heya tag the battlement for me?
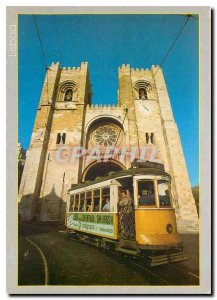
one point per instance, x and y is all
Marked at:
(56, 65)
(72, 69)
(100, 106)
(140, 70)
(125, 68)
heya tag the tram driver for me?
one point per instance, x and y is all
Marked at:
(147, 197)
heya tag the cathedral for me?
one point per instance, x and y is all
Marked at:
(69, 131)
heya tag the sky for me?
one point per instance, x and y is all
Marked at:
(106, 42)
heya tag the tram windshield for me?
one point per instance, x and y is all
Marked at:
(146, 193)
(164, 193)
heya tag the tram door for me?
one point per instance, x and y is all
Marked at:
(126, 216)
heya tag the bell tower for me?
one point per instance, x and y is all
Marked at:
(58, 126)
(151, 123)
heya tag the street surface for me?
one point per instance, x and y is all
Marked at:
(47, 256)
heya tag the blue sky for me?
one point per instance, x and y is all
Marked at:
(106, 42)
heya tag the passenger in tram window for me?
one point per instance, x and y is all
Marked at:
(96, 207)
(106, 207)
(82, 208)
(89, 208)
(163, 193)
(147, 198)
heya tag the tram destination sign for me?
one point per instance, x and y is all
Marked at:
(139, 163)
(100, 224)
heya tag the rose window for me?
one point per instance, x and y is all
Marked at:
(106, 135)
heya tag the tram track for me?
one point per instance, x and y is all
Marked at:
(152, 273)
(46, 269)
(170, 270)
(171, 274)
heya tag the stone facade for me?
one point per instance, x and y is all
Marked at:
(66, 119)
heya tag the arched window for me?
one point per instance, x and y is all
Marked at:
(67, 90)
(143, 94)
(68, 95)
(143, 88)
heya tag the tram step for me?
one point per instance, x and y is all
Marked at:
(178, 254)
(159, 260)
(127, 251)
(175, 257)
(155, 264)
(166, 258)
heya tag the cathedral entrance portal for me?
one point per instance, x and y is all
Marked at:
(101, 169)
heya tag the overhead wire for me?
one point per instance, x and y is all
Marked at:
(171, 47)
(154, 39)
(43, 53)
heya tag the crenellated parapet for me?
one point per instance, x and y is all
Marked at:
(125, 68)
(104, 106)
(82, 67)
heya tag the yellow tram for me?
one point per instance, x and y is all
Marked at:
(146, 227)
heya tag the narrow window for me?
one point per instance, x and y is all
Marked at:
(63, 138)
(58, 138)
(71, 204)
(106, 199)
(76, 202)
(143, 94)
(147, 137)
(152, 138)
(89, 201)
(82, 202)
(68, 95)
(96, 198)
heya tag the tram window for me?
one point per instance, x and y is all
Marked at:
(71, 203)
(164, 193)
(106, 192)
(82, 202)
(106, 204)
(89, 201)
(96, 193)
(76, 202)
(146, 193)
(106, 199)
(96, 200)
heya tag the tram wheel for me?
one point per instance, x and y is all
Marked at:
(103, 245)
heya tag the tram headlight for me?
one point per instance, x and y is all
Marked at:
(169, 228)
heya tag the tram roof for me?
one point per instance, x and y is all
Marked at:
(124, 173)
